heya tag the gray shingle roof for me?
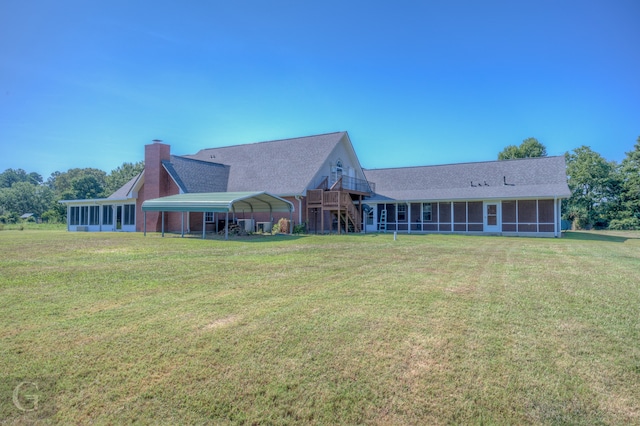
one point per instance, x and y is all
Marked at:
(197, 176)
(123, 192)
(531, 177)
(283, 167)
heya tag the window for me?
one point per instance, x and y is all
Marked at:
(94, 215)
(402, 212)
(208, 217)
(84, 213)
(74, 216)
(129, 214)
(369, 217)
(336, 171)
(426, 212)
(107, 215)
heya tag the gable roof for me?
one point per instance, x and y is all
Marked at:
(124, 191)
(193, 175)
(284, 167)
(522, 178)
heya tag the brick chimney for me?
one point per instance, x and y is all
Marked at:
(156, 179)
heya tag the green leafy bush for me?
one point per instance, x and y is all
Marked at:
(626, 224)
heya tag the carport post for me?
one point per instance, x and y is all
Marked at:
(290, 221)
(204, 224)
(144, 222)
(182, 225)
(162, 223)
(226, 226)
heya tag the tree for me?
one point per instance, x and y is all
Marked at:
(592, 183)
(68, 184)
(529, 148)
(24, 197)
(122, 175)
(11, 176)
(627, 215)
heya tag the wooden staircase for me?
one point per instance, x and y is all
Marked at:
(339, 203)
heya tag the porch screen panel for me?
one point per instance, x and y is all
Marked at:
(391, 215)
(475, 216)
(416, 218)
(129, 214)
(545, 215)
(84, 215)
(509, 223)
(429, 216)
(74, 216)
(460, 216)
(94, 215)
(444, 211)
(107, 215)
(403, 225)
(527, 216)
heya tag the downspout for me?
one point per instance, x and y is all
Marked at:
(299, 199)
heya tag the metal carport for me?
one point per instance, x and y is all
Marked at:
(216, 202)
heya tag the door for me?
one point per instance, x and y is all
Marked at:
(118, 218)
(370, 220)
(492, 217)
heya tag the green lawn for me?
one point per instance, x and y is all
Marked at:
(428, 329)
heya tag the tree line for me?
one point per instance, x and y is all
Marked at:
(22, 192)
(604, 194)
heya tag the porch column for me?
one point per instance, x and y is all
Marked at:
(162, 223)
(144, 223)
(204, 224)
(182, 225)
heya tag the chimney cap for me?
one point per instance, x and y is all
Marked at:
(157, 141)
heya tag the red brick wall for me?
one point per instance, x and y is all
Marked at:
(157, 183)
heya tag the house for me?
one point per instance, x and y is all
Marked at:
(511, 197)
(318, 180)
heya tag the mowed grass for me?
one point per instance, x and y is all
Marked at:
(428, 329)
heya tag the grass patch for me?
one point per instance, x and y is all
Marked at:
(428, 329)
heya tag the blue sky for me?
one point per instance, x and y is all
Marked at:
(87, 84)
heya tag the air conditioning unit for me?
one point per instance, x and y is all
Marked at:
(265, 227)
(247, 224)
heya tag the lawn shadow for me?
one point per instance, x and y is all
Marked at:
(600, 236)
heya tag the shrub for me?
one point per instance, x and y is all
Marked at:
(626, 224)
(284, 225)
(275, 229)
(300, 228)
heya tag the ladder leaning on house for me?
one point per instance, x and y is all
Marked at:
(383, 221)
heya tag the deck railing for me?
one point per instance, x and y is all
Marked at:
(346, 183)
